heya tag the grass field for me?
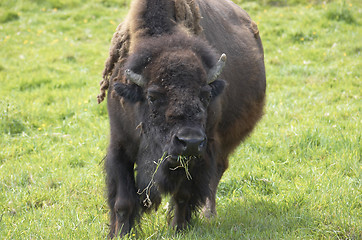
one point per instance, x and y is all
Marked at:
(297, 177)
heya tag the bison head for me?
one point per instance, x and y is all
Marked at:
(172, 86)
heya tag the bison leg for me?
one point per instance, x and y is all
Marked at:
(209, 210)
(122, 198)
(182, 210)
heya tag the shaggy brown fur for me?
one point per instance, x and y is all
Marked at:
(186, 13)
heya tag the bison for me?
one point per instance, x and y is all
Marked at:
(186, 84)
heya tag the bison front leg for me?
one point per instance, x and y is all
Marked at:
(122, 198)
(209, 210)
(182, 210)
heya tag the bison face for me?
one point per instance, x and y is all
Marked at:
(172, 96)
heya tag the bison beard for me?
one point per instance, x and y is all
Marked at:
(173, 122)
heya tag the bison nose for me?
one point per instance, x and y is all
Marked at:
(190, 141)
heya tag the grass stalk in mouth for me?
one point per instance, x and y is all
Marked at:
(184, 163)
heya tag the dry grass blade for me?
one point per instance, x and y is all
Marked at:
(184, 163)
(147, 202)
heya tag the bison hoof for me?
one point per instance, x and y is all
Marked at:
(122, 215)
(206, 213)
(179, 226)
(123, 225)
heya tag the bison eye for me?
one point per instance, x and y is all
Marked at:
(155, 95)
(151, 99)
(205, 95)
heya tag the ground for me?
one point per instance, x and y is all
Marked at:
(297, 176)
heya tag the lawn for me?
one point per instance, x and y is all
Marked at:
(297, 176)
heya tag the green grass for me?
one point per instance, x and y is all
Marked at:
(298, 175)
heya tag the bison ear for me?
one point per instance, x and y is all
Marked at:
(132, 93)
(217, 87)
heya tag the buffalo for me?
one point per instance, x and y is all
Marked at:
(186, 84)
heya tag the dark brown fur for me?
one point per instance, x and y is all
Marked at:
(150, 44)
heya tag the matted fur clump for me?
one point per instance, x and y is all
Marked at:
(186, 14)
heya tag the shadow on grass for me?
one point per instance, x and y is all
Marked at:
(261, 218)
(248, 218)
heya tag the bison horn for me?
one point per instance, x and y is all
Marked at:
(215, 71)
(134, 77)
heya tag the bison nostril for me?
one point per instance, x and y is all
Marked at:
(202, 144)
(181, 141)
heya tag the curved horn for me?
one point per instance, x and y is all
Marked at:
(134, 77)
(215, 71)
